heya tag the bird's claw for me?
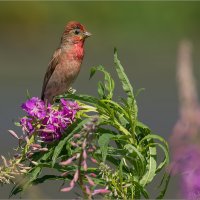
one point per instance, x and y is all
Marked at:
(71, 90)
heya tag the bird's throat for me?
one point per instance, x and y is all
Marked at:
(76, 51)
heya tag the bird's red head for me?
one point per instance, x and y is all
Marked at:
(75, 32)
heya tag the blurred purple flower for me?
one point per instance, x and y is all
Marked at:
(34, 107)
(185, 138)
(189, 166)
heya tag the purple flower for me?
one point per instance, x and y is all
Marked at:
(26, 124)
(69, 108)
(69, 104)
(35, 107)
(49, 121)
(50, 133)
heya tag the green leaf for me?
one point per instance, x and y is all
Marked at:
(26, 182)
(116, 107)
(80, 97)
(166, 155)
(166, 158)
(103, 144)
(101, 90)
(152, 163)
(134, 151)
(124, 80)
(151, 167)
(109, 83)
(74, 128)
(141, 190)
(17, 124)
(166, 178)
(132, 108)
(28, 96)
(121, 171)
(47, 177)
(141, 125)
(139, 91)
(154, 136)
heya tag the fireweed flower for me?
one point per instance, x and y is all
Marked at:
(34, 107)
(48, 121)
(26, 124)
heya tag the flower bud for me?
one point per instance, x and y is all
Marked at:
(84, 154)
(64, 174)
(67, 189)
(93, 160)
(13, 134)
(90, 181)
(68, 161)
(100, 191)
(84, 164)
(77, 135)
(93, 175)
(76, 176)
(87, 190)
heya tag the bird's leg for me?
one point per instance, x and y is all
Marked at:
(55, 100)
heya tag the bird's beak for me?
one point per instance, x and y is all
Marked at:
(87, 34)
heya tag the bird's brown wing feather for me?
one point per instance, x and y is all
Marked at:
(51, 67)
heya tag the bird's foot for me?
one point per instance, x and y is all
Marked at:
(71, 90)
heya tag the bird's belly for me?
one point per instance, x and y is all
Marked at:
(61, 80)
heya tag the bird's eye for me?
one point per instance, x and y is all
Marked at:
(77, 31)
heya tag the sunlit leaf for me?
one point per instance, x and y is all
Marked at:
(151, 167)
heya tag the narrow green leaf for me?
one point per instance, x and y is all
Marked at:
(101, 90)
(153, 136)
(165, 160)
(26, 182)
(46, 178)
(28, 96)
(80, 97)
(166, 178)
(141, 125)
(133, 150)
(103, 142)
(124, 80)
(141, 190)
(132, 108)
(151, 167)
(109, 83)
(121, 171)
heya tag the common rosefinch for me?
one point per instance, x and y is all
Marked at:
(66, 61)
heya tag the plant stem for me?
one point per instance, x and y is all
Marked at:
(86, 196)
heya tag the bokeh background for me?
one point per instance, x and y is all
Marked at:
(146, 34)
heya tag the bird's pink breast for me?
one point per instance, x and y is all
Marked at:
(76, 52)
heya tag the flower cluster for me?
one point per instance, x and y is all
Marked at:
(47, 121)
(10, 169)
(84, 141)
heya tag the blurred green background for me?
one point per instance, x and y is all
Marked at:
(146, 34)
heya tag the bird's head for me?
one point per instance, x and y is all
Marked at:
(75, 32)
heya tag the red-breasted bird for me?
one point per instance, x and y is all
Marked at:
(65, 64)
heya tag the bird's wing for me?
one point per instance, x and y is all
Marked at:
(51, 67)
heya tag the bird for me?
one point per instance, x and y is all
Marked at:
(65, 64)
